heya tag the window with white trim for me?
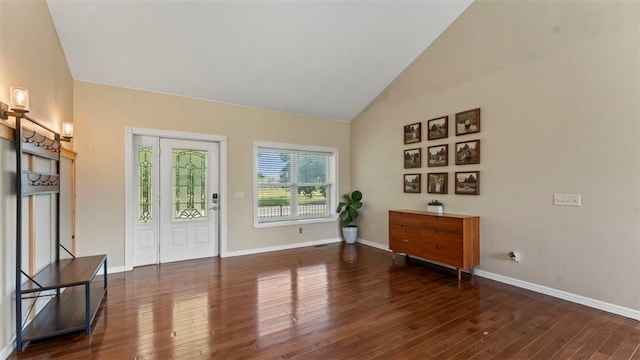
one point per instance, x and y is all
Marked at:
(294, 183)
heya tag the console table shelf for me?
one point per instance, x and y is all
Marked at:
(76, 306)
(65, 273)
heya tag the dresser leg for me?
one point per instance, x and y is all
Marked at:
(393, 257)
(471, 271)
(459, 274)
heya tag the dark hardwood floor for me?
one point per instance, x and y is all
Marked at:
(334, 302)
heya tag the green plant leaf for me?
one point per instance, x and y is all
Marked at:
(348, 209)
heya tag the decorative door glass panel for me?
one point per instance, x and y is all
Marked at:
(145, 167)
(189, 184)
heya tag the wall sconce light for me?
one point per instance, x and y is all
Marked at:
(66, 133)
(19, 98)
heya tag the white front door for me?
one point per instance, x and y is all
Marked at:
(188, 199)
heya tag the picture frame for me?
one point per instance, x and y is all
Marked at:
(438, 155)
(413, 158)
(412, 183)
(437, 183)
(467, 182)
(468, 122)
(438, 128)
(467, 152)
(413, 133)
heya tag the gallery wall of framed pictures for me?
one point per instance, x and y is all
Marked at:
(465, 152)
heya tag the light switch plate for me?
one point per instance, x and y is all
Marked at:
(567, 200)
(239, 195)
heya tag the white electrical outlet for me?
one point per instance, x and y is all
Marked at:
(567, 200)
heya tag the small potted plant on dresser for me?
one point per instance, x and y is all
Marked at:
(348, 211)
(435, 206)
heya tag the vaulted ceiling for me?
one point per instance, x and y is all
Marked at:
(327, 59)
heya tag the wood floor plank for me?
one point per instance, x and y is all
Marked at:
(333, 302)
(630, 345)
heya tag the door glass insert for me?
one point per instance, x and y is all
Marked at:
(189, 184)
(145, 166)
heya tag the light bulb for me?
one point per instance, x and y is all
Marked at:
(67, 130)
(19, 98)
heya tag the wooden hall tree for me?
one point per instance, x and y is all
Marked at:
(67, 283)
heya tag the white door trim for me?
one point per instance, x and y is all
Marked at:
(129, 184)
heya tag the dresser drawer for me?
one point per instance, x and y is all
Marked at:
(405, 231)
(442, 237)
(404, 218)
(443, 251)
(442, 223)
(406, 245)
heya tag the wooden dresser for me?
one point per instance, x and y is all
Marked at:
(444, 238)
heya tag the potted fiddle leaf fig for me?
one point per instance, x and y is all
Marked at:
(348, 211)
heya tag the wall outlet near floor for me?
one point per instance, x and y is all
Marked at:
(513, 255)
(567, 200)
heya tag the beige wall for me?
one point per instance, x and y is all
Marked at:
(30, 56)
(102, 113)
(558, 84)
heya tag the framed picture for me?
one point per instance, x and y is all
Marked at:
(412, 183)
(468, 152)
(468, 122)
(437, 183)
(412, 158)
(438, 128)
(468, 182)
(413, 133)
(438, 155)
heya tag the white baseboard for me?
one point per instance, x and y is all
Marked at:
(373, 244)
(4, 353)
(116, 269)
(282, 247)
(578, 299)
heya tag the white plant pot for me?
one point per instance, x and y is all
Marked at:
(438, 209)
(350, 234)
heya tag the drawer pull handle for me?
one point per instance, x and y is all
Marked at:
(405, 240)
(438, 247)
